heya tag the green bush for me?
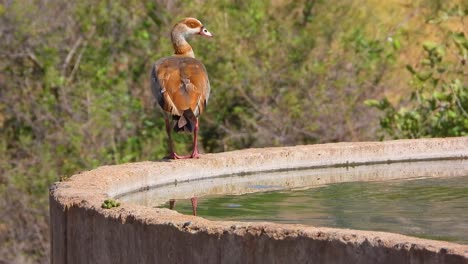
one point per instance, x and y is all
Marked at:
(438, 105)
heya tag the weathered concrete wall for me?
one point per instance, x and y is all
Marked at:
(82, 232)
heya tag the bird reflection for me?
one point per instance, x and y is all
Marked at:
(194, 201)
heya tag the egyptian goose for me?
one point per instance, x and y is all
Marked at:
(180, 84)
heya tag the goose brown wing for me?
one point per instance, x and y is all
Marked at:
(179, 84)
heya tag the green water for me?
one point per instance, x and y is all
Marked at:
(434, 208)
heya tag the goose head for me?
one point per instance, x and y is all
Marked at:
(190, 26)
(184, 29)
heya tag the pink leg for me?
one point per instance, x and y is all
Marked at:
(194, 205)
(195, 153)
(172, 154)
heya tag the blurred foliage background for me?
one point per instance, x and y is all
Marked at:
(74, 85)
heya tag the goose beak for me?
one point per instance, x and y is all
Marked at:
(205, 32)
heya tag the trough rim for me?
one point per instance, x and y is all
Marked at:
(87, 190)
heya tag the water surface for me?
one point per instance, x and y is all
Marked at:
(435, 208)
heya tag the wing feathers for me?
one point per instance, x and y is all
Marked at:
(179, 84)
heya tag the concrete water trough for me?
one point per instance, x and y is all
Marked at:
(83, 232)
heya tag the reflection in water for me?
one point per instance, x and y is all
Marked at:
(369, 197)
(431, 208)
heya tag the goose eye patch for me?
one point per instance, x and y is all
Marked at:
(192, 24)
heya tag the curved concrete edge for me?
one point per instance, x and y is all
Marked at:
(296, 180)
(82, 232)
